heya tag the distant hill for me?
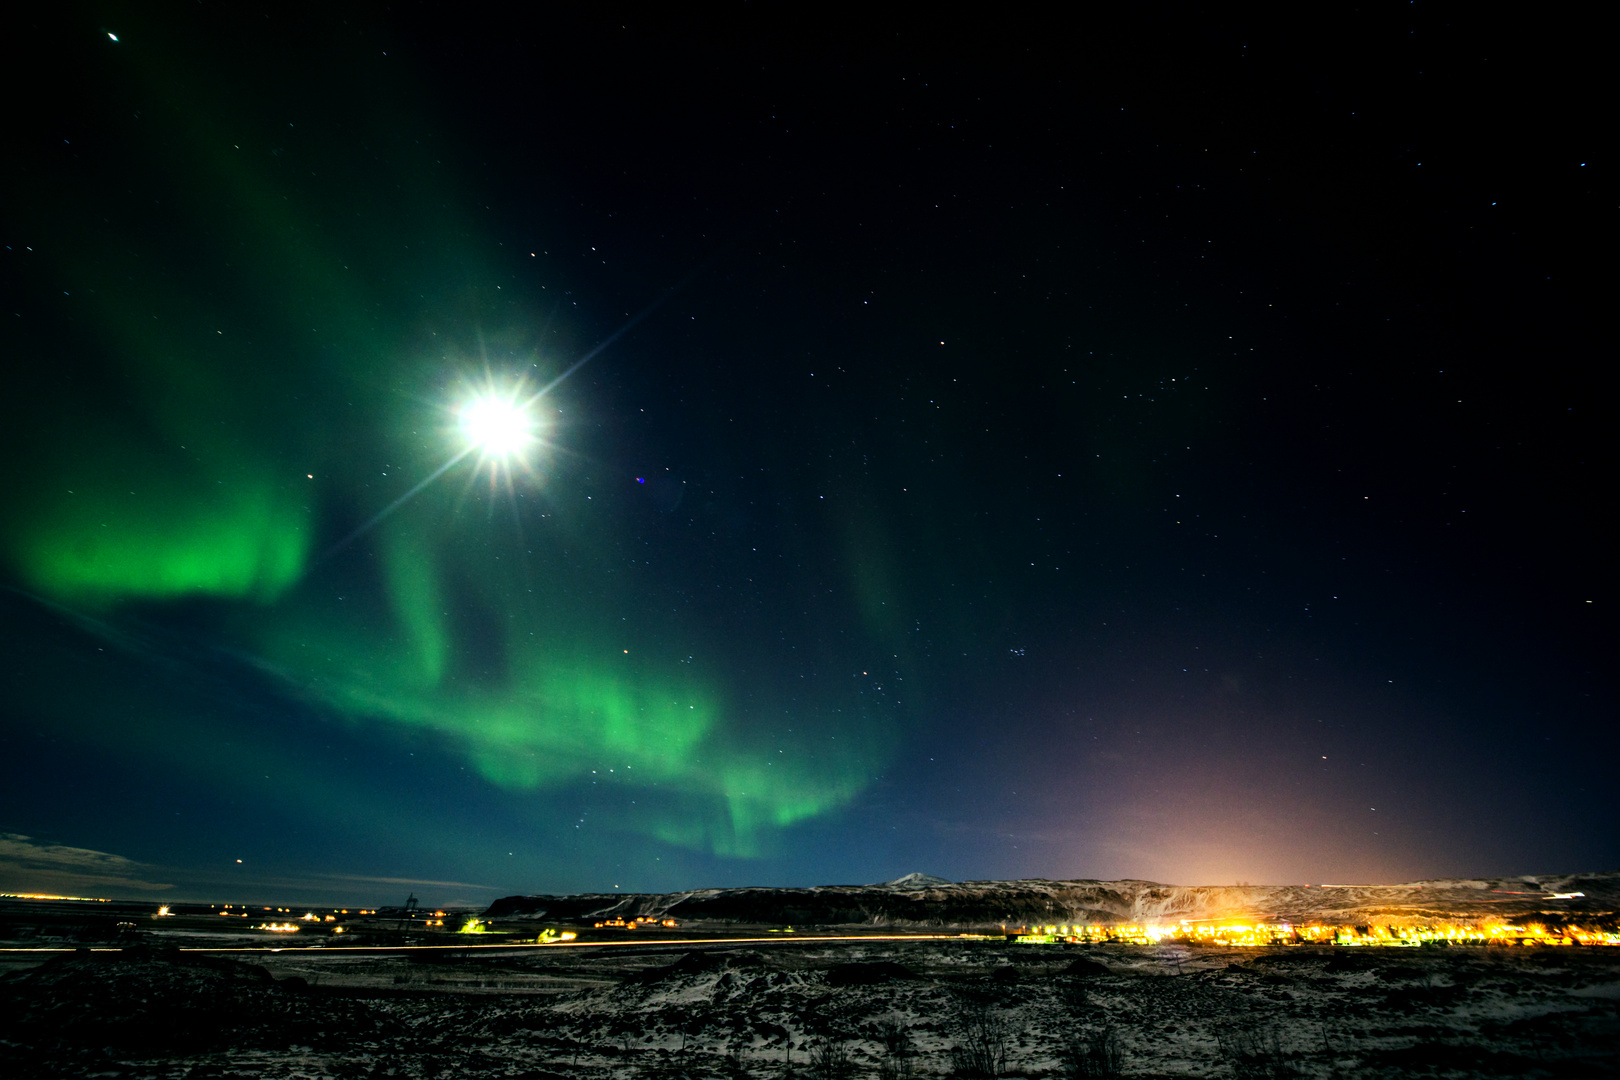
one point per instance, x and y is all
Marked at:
(918, 901)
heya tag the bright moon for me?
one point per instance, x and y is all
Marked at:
(500, 428)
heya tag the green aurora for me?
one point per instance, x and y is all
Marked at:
(286, 355)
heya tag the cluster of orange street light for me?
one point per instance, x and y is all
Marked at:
(1242, 934)
(640, 922)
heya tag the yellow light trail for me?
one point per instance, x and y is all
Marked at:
(530, 945)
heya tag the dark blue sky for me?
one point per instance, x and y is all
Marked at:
(1062, 450)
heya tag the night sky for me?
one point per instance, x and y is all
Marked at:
(1050, 449)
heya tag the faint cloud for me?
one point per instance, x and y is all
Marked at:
(33, 866)
(353, 890)
(408, 881)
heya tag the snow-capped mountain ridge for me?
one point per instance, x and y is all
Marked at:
(919, 901)
(912, 881)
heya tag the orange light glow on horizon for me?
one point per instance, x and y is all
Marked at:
(1249, 935)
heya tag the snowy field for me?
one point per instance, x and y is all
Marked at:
(878, 1010)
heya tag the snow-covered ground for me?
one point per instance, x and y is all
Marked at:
(879, 1009)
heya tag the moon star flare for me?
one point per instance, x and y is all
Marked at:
(500, 428)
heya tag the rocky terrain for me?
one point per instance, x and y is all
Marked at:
(706, 1003)
(937, 1009)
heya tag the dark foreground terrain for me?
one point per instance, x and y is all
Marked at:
(969, 1008)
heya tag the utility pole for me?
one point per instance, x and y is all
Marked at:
(408, 913)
